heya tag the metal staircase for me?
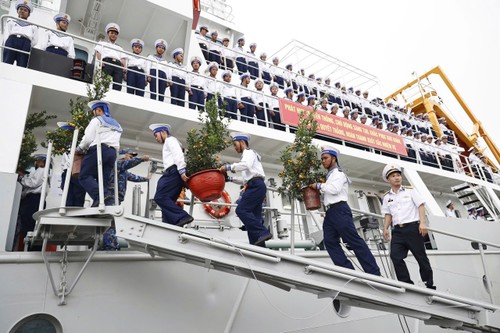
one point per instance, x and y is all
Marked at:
(475, 196)
(287, 272)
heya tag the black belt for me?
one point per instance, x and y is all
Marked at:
(102, 144)
(197, 87)
(251, 180)
(21, 36)
(177, 77)
(334, 204)
(107, 59)
(402, 225)
(136, 68)
(169, 169)
(54, 47)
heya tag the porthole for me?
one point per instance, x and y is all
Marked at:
(37, 323)
(342, 310)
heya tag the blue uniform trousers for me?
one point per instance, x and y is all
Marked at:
(197, 98)
(57, 50)
(248, 111)
(338, 223)
(178, 91)
(279, 81)
(409, 238)
(261, 114)
(219, 100)
(114, 69)
(136, 81)
(253, 68)
(231, 107)
(266, 77)
(88, 173)
(27, 207)
(241, 63)
(160, 82)
(214, 56)
(76, 193)
(20, 43)
(277, 120)
(167, 192)
(249, 209)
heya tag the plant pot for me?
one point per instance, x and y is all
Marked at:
(77, 165)
(312, 198)
(207, 185)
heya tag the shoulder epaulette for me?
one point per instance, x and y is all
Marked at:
(409, 187)
(386, 193)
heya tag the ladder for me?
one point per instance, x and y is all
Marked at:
(286, 271)
(475, 196)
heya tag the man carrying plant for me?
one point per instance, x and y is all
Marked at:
(249, 209)
(172, 181)
(338, 220)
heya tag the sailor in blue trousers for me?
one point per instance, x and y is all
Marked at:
(249, 208)
(110, 133)
(174, 176)
(20, 36)
(338, 220)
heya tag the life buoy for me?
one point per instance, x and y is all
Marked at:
(182, 196)
(219, 211)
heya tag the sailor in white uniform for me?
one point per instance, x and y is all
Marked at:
(19, 36)
(178, 78)
(212, 85)
(450, 209)
(157, 70)
(195, 85)
(136, 68)
(109, 55)
(241, 59)
(229, 93)
(250, 204)
(110, 132)
(57, 41)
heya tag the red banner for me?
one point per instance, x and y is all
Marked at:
(345, 129)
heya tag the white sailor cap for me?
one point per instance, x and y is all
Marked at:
(448, 203)
(423, 135)
(253, 45)
(289, 66)
(390, 169)
(215, 32)
(442, 119)
(160, 127)
(161, 42)
(213, 64)
(263, 54)
(444, 136)
(127, 151)
(177, 51)
(327, 79)
(240, 39)
(272, 85)
(288, 89)
(226, 73)
(364, 116)
(25, 4)
(301, 94)
(62, 17)
(195, 59)
(244, 76)
(225, 38)
(472, 209)
(40, 157)
(112, 27)
(240, 136)
(137, 42)
(99, 103)
(65, 125)
(329, 149)
(259, 80)
(311, 97)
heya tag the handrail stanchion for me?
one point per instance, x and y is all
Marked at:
(292, 228)
(62, 209)
(100, 180)
(117, 202)
(45, 177)
(486, 275)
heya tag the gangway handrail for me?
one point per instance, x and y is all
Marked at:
(463, 237)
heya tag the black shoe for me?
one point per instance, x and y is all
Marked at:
(95, 203)
(431, 287)
(262, 240)
(186, 220)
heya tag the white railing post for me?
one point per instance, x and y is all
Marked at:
(45, 177)
(62, 209)
(100, 180)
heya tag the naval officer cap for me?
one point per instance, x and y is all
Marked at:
(137, 42)
(65, 125)
(177, 51)
(448, 203)
(389, 170)
(112, 27)
(240, 136)
(99, 103)
(213, 64)
(160, 127)
(162, 43)
(62, 17)
(195, 59)
(203, 27)
(24, 4)
(329, 149)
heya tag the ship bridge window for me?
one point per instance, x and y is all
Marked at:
(39, 323)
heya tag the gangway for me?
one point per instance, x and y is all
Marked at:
(286, 271)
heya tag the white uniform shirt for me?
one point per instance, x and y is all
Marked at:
(214, 47)
(250, 167)
(273, 102)
(32, 183)
(277, 71)
(228, 90)
(450, 212)
(243, 92)
(177, 70)
(109, 50)
(172, 154)
(65, 161)
(403, 205)
(264, 66)
(141, 63)
(212, 85)
(335, 188)
(20, 27)
(195, 79)
(259, 97)
(239, 52)
(157, 63)
(58, 39)
(227, 52)
(108, 136)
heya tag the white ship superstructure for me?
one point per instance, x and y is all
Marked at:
(206, 277)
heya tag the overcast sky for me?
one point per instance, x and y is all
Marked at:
(392, 38)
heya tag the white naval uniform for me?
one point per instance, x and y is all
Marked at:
(109, 136)
(402, 205)
(58, 39)
(22, 28)
(249, 165)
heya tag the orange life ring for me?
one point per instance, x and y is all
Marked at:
(219, 211)
(182, 196)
